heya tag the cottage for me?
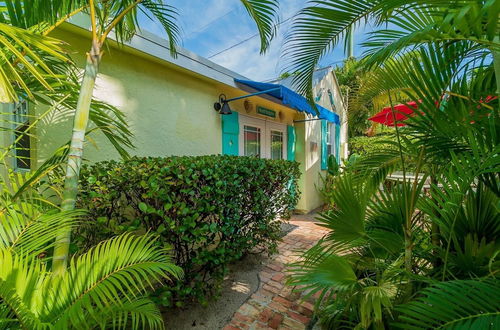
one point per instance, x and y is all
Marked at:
(169, 105)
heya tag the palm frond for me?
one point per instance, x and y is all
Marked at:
(316, 30)
(115, 271)
(136, 314)
(30, 232)
(454, 305)
(321, 270)
(167, 16)
(33, 13)
(22, 51)
(20, 282)
(264, 13)
(422, 22)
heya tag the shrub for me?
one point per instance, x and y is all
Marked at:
(210, 209)
(363, 145)
(327, 188)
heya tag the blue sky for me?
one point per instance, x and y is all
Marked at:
(210, 26)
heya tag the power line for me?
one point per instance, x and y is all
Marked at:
(251, 37)
(245, 40)
(204, 27)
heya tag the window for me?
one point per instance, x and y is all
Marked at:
(22, 145)
(331, 145)
(277, 145)
(262, 138)
(252, 141)
(330, 136)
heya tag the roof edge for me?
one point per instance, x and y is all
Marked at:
(153, 45)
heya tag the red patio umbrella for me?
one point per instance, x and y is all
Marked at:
(401, 112)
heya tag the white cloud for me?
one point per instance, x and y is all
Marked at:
(246, 59)
(210, 26)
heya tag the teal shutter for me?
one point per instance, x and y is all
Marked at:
(230, 134)
(324, 146)
(291, 143)
(337, 143)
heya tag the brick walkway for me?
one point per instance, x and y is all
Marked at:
(273, 305)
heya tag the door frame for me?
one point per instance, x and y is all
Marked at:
(266, 127)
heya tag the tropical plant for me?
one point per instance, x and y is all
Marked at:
(439, 308)
(350, 77)
(445, 55)
(119, 17)
(102, 287)
(321, 25)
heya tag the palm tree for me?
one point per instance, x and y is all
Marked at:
(121, 18)
(381, 250)
(102, 287)
(322, 25)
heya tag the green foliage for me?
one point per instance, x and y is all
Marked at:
(102, 287)
(333, 171)
(351, 77)
(426, 246)
(454, 305)
(333, 167)
(211, 209)
(363, 145)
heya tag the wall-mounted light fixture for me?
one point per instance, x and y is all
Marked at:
(222, 105)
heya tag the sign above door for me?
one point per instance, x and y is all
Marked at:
(266, 112)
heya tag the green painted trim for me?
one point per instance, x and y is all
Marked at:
(337, 143)
(324, 146)
(230, 134)
(292, 139)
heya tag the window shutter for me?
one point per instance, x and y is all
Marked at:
(337, 143)
(324, 146)
(291, 143)
(230, 134)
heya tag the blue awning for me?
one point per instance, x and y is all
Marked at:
(292, 99)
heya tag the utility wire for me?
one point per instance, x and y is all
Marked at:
(253, 36)
(245, 40)
(204, 27)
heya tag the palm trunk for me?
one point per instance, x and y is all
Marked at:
(61, 248)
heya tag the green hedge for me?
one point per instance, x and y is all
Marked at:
(210, 209)
(363, 145)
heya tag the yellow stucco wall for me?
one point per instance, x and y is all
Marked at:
(170, 112)
(308, 153)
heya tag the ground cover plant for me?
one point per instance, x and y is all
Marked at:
(210, 209)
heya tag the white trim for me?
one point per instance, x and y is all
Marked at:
(253, 122)
(266, 126)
